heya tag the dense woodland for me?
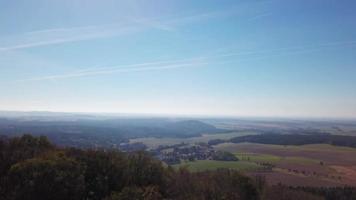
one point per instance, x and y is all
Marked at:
(88, 133)
(296, 139)
(33, 168)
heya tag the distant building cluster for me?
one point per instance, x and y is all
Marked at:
(132, 147)
(174, 154)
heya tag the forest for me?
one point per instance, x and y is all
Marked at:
(103, 132)
(296, 139)
(33, 168)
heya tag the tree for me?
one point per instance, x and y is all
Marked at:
(21, 148)
(53, 176)
(144, 171)
(104, 171)
(136, 193)
(128, 193)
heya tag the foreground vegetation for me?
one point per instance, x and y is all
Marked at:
(33, 168)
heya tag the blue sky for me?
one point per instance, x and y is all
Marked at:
(222, 58)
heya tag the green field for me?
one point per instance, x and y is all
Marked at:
(253, 157)
(204, 165)
(273, 159)
(153, 142)
(252, 147)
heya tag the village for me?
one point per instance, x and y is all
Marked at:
(175, 154)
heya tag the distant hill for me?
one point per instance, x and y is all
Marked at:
(103, 132)
(191, 127)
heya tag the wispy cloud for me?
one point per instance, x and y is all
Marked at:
(260, 16)
(150, 23)
(59, 36)
(215, 59)
(287, 50)
(72, 34)
(128, 26)
(152, 66)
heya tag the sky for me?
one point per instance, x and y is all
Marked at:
(274, 58)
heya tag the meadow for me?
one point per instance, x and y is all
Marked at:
(204, 165)
(273, 159)
(154, 142)
(313, 165)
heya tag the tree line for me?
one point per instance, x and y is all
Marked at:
(297, 139)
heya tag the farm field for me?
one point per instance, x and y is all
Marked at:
(329, 154)
(272, 159)
(334, 127)
(153, 142)
(315, 165)
(203, 165)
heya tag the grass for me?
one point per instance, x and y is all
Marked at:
(153, 142)
(252, 157)
(208, 165)
(235, 148)
(300, 160)
(273, 159)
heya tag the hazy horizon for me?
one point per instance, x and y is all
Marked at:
(203, 58)
(30, 113)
